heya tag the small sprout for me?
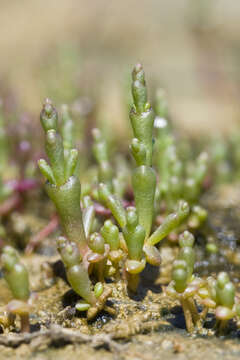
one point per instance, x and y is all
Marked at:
(220, 295)
(77, 274)
(16, 276)
(79, 280)
(184, 286)
(15, 273)
(134, 235)
(98, 255)
(110, 234)
(225, 300)
(186, 241)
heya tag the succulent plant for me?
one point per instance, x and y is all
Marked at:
(93, 298)
(16, 275)
(184, 284)
(62, 186)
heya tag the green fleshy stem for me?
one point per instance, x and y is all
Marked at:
(171, 222)
(46, 170)
(187, 253)
(139, 89)
(70, 163)
(134, 235)
(78, 278)
(141, 115)
(110, 233)
(142, 125)
(15, 274)
(112, 203)
(55, 153)
(144, 187)
(88, 219)
(49, 116)
(139, 152)
(67, 201)
(76, 272)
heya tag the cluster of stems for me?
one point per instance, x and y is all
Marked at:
(62, 186)
(217, 295)
(184, 284)
(123, 245)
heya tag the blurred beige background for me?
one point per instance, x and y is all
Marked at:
(189, 47)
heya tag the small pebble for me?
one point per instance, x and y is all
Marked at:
(167, 344)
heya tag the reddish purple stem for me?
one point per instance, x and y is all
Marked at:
(46, 231)
(22, 185)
